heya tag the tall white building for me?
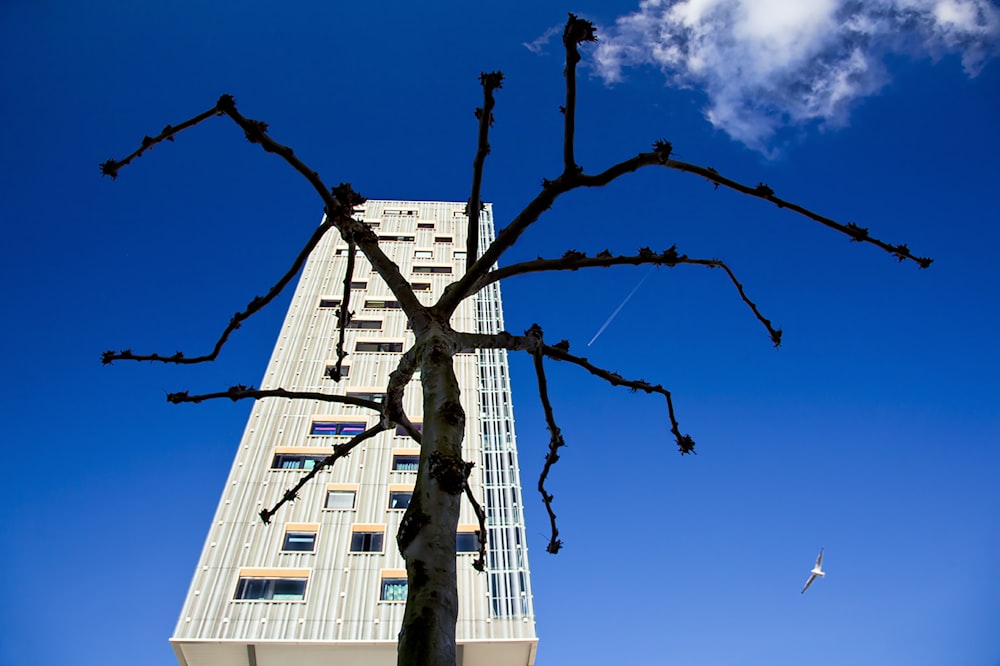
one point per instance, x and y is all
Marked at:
(324, 583)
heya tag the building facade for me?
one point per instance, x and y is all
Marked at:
(324, 582)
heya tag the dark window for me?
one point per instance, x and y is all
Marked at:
(271, 589)
(381, 305)
(425, 225)
(467, 542)
(395, 347)
(343, 429)
(299, 541)
(396, 238)
(393, 589)
(374, 397)
(296, 461)
(359, 285)
(442, 239)
(329, 302)
(399, 499)
(421, 286)
(339, 499)
(365, 324)
(405, 463)
(400, 432)
(432, 269)
(345, 371)
(367, 542)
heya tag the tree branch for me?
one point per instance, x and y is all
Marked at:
(240, 392)
(552, 189)
(534, 335)
(560, 352)
(480, 562)
(344, 315)
(576, 32)
(574, 260)
(111, 166)
(661, 156)
(339, 203)
(237, 320)
(398, 380)
(339, 451)
(490, 81)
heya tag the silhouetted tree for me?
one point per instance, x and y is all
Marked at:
(426, 535)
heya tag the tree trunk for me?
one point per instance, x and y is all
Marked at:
(427, 532)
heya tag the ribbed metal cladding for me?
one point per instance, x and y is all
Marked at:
(342, 599)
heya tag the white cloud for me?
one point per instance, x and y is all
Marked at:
(767, 64)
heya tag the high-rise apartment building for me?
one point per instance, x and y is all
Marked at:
(324, 582)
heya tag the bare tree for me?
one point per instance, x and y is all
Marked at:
(426, 535)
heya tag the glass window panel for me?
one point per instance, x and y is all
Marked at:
(329, 428)
(405, 463)
(271, 589)
(300, 541)
(393, 589)
(366, 542)
(400, 499)
(467, 542)
(339, 499)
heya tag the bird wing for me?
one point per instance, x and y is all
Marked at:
(819, 558)
(808, 583)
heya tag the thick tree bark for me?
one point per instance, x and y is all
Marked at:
(427, 533)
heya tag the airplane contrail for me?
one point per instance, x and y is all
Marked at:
(619, 308)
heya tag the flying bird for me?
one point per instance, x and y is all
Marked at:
(816, 571)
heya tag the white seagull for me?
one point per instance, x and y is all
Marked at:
(816, 571)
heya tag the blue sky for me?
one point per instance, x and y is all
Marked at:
(872, 432)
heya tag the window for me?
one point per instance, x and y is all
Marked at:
(337, 428)
(467, 541)
(367, 395)
(461, 254)
(400, 499)
(442, 239)
(367, 538)
(329, 302)
(299, 538)
(396, 238)
(365, 324)
(405, 212)
(359, 285)
(421, 286)
(432, 269)
(340, 252)
(379, 304)
(280, 585)
(378, 346)
(401, 432)
(393, 585)
(405, 462)
(341, 499)
(345, 370)
(425, 225)
(458, 213)
(297, 461)
(423, 254)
